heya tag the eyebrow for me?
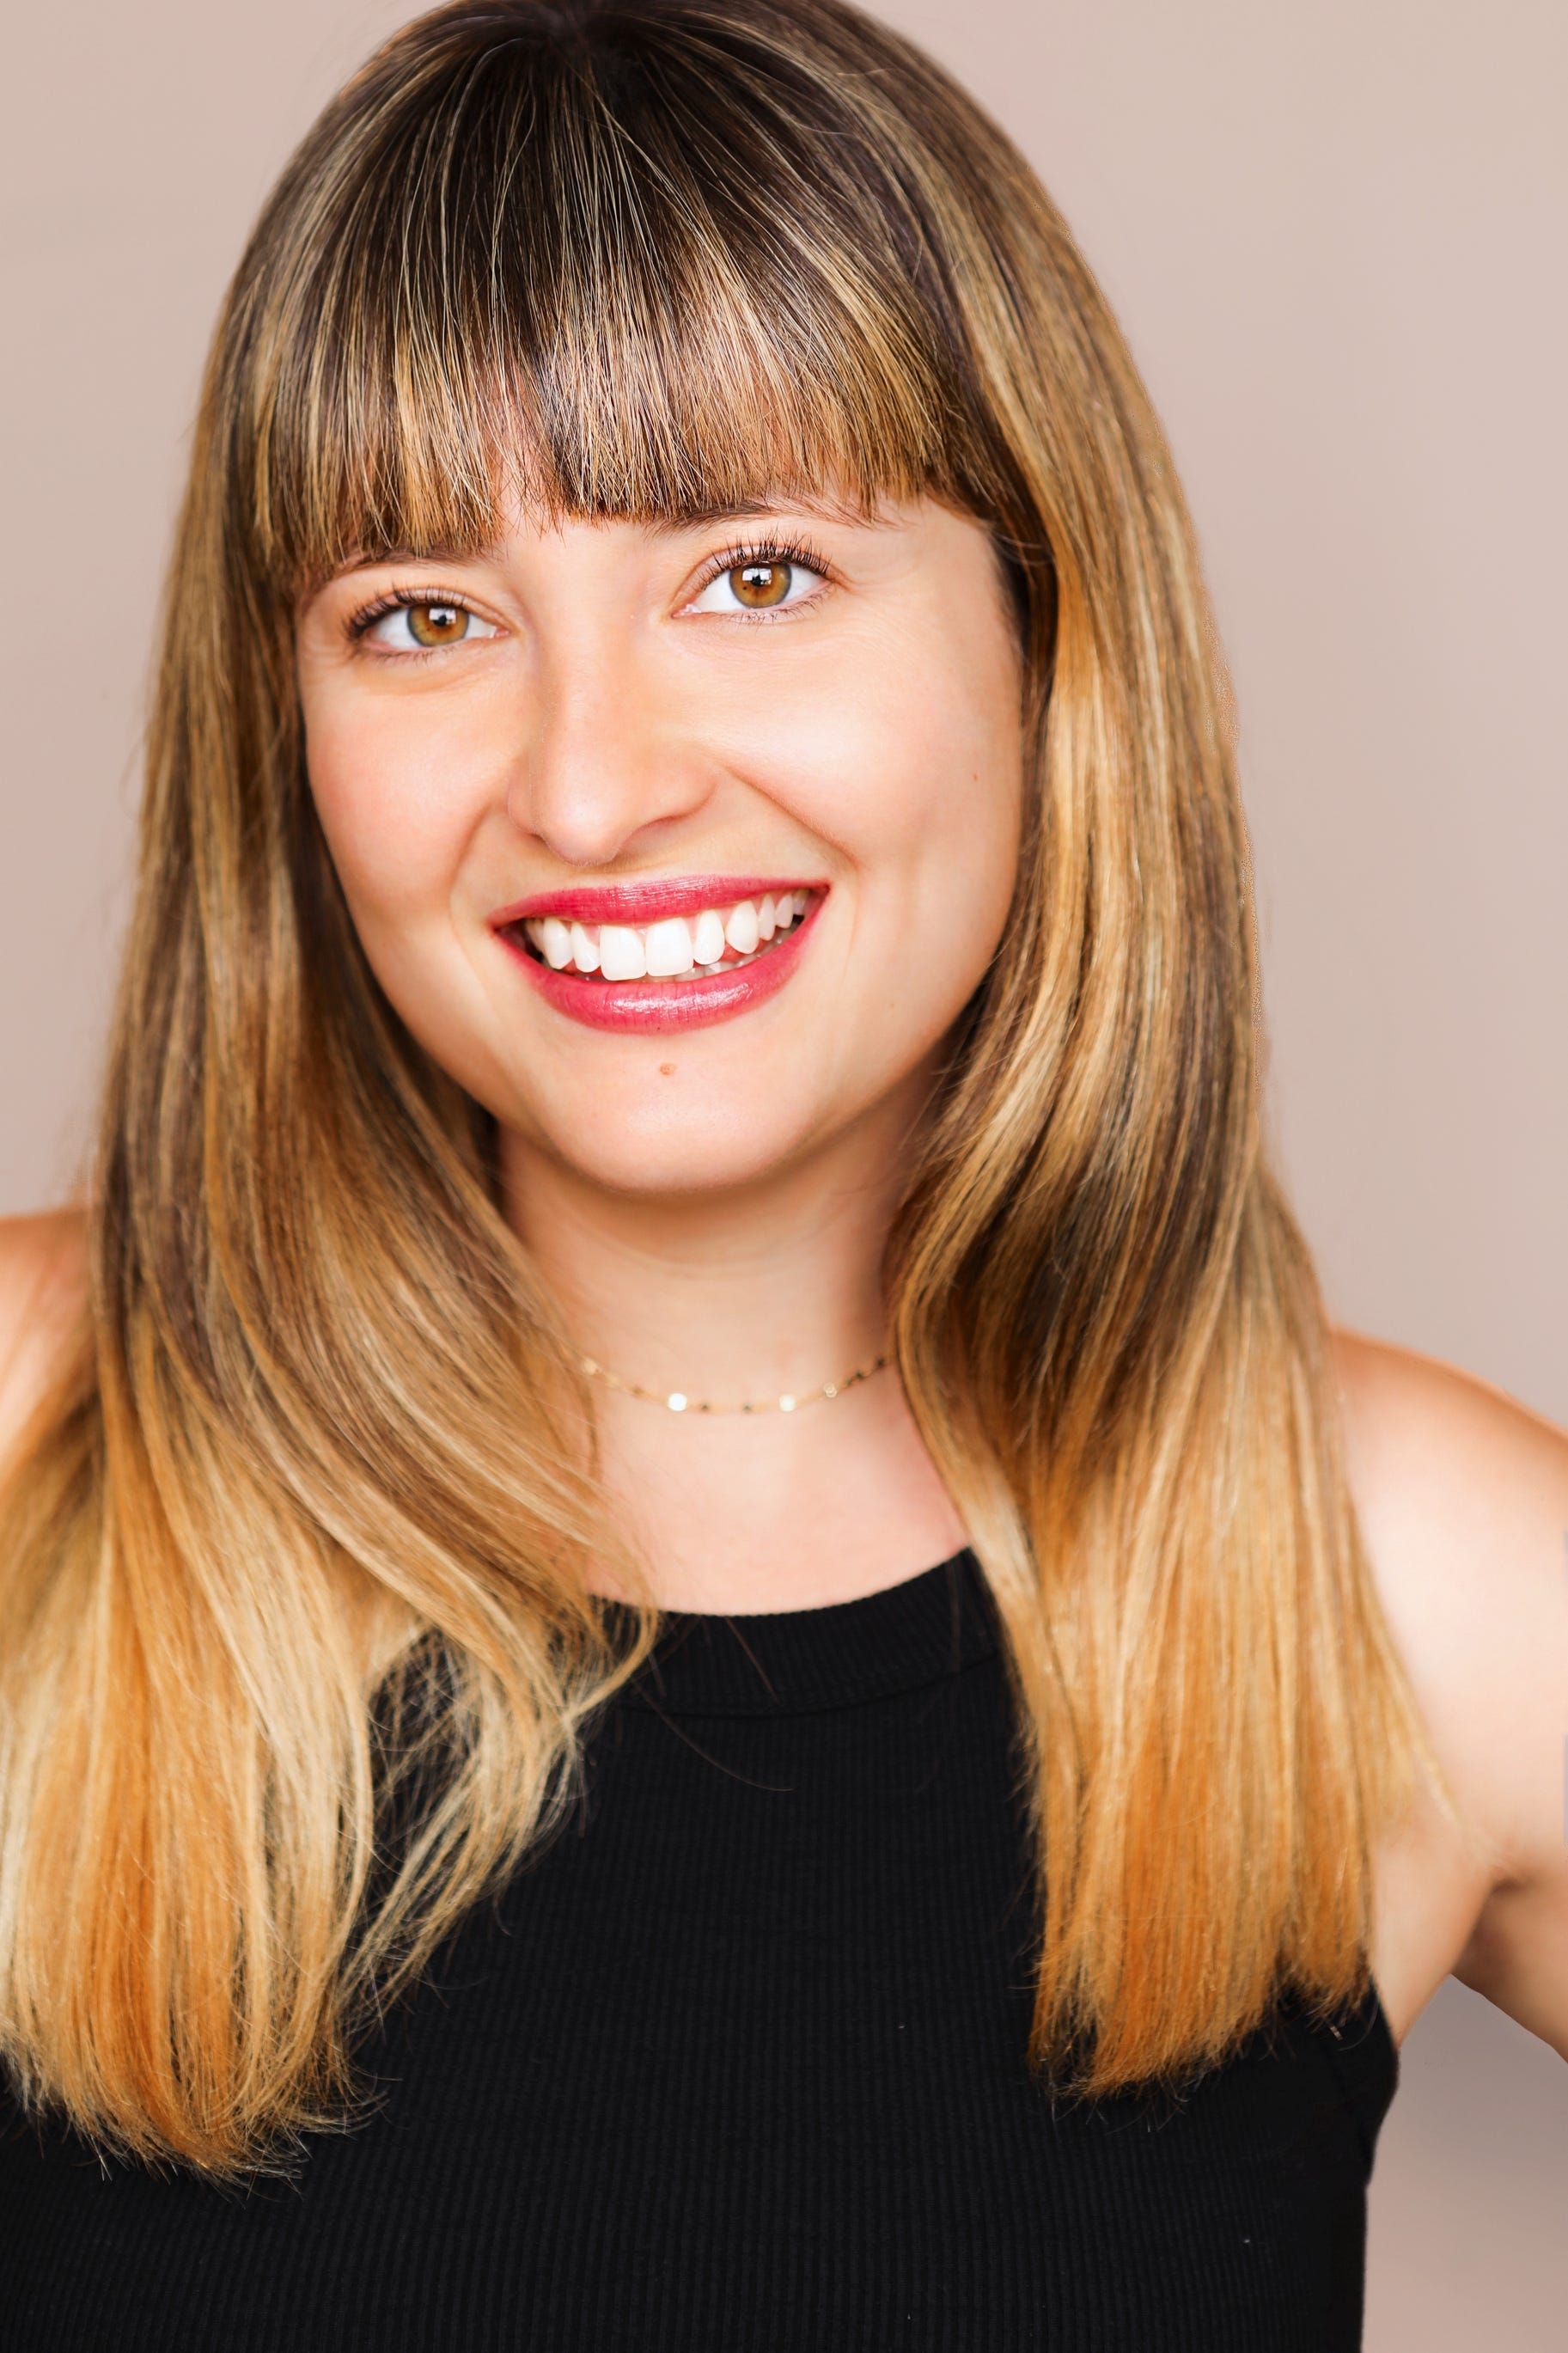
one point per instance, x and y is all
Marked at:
(445, 554)
(664, 526)
(697, 518)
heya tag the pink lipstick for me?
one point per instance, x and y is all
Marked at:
(671, 954)
(648, 902)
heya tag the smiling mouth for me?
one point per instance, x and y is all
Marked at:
(721, 939)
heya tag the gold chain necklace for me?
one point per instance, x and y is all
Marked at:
(678, 1401)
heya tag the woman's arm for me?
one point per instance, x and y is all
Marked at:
(42, 1284)
(1462, 1495)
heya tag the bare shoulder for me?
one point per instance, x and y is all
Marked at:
(43, 1283)
(1462, 1496)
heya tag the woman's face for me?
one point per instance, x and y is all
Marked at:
(603, 746)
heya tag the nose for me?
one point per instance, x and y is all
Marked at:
(605, 757)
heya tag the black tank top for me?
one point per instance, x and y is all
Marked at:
(737, 2062)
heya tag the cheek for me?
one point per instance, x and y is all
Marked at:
(913, 773)
(396, 810)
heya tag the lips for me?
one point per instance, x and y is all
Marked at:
(648, 903)
(664, 954)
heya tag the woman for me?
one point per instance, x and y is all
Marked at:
(687, 1053)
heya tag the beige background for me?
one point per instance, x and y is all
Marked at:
(1335, 236)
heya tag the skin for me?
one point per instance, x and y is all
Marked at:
(710, 1206)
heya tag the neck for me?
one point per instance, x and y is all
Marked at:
(742, 1294)
(746, 1292)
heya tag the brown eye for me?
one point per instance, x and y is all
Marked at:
(758, 585)
(763, 582)
(437, 625)
(425, 627)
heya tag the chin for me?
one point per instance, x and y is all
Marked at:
(663, 1151)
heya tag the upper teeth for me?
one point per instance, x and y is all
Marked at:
(662, 951)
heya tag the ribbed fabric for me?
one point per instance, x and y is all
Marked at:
(737, 2062)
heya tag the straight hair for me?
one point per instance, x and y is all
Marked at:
(296, 1646)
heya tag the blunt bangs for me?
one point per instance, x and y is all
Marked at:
(321, 1452)
(637, 270)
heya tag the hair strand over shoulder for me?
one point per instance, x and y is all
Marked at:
(296, 1646)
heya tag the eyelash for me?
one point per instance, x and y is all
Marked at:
(732, 559)
(401, 600)
(766, 551)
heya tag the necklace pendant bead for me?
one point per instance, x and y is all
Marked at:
(678, 1401)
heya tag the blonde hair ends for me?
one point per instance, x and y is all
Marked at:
(303, 1535)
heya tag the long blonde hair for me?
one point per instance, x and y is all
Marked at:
(303, 1531)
